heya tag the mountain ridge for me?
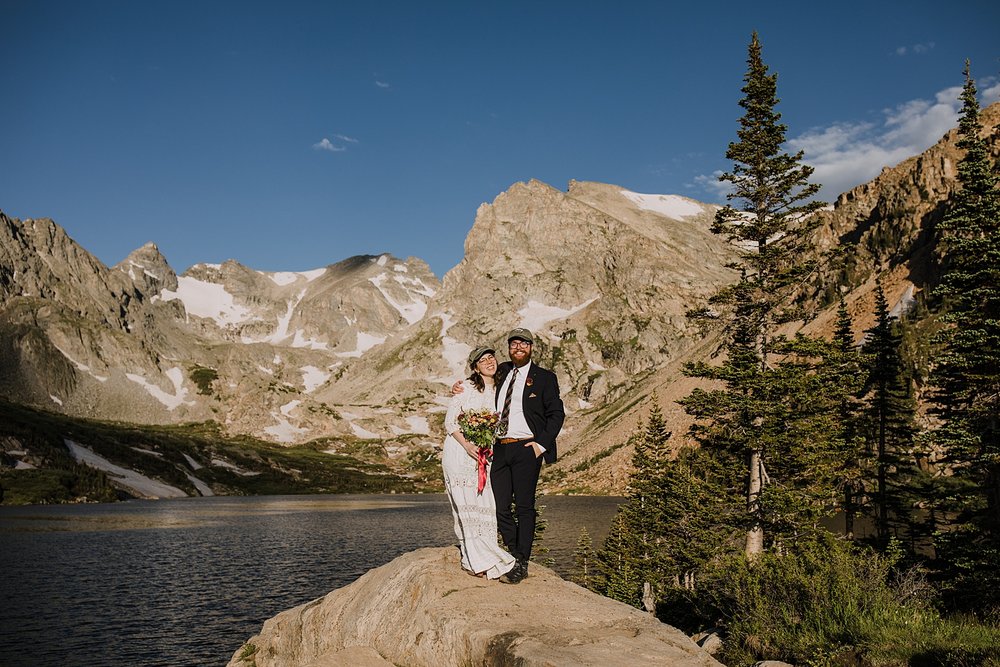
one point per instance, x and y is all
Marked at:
(363, 350)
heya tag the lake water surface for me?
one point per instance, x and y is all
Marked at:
(186, 582)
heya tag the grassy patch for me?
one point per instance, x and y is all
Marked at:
(249, 653)
(204, 377)
(604, 453)
(615, 412)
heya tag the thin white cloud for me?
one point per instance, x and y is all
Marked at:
(350, 140)
(923, 47)
(847, 154)
(990, 94)
(712, 184)
(326, 145)
(381, 84)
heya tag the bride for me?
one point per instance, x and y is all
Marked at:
(474, 512)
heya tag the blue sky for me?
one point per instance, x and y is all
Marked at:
(292, 135)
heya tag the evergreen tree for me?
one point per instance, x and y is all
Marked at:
(643, 511)
(617, 575)
(638, 540)
(539, 549)
(967, 372)
(890, 422)
(584, 561)
(844, 370)
(701, 516)
(773, 227)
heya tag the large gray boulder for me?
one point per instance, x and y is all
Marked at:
(421, 609)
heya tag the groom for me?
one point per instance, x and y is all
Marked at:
(531, 415)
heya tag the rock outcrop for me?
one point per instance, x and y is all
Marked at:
(422, 610)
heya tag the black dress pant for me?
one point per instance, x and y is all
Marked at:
(514, 477)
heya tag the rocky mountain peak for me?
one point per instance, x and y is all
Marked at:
(148, 269)
(39, 259)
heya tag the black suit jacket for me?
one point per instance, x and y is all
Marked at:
(542, 406)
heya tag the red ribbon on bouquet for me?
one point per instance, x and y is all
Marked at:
(484, 458)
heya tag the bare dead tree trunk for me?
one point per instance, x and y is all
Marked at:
(755, 536)
(648, 601)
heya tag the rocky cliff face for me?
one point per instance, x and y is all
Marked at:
(421, 609)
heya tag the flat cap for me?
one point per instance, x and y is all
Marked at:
(477, 353)
(523, 334)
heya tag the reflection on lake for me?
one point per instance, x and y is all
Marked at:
(185, 582)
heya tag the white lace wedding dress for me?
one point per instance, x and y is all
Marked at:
(475, 513)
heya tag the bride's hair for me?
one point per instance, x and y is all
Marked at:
(477, 381)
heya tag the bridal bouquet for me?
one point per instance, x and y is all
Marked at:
(480, 427)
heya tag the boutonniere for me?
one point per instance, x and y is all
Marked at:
(530, 381)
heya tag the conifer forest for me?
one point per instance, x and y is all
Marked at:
(841, 505)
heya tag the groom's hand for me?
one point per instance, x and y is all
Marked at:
(457, 388)
(535, 447)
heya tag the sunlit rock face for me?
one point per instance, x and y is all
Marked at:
(421, 609)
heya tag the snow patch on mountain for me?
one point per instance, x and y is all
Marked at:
(300, 340)
(83, 367)
(191, 462)
(284, 431)
(411, 312)
(204, 489)
(455, 353)
(172, 401)
(130, 479)
(419, 425)
(366, 341)
(283, 278)
(535, 315)
(281, 332)
(313, 378)
(208, 300)
(670, 206)
(363, 433)
(236, 469)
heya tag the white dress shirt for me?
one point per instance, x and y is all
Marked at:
(517, 425)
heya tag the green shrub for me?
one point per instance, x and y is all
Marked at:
(828, 602)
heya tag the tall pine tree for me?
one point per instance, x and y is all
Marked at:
(890, 427)
(967, 372)
(844, 371)
(638, 538)
(772, 227)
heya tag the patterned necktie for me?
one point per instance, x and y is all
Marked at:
(505, 413)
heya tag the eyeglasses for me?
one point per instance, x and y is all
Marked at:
(518, 343)
(485, 357)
